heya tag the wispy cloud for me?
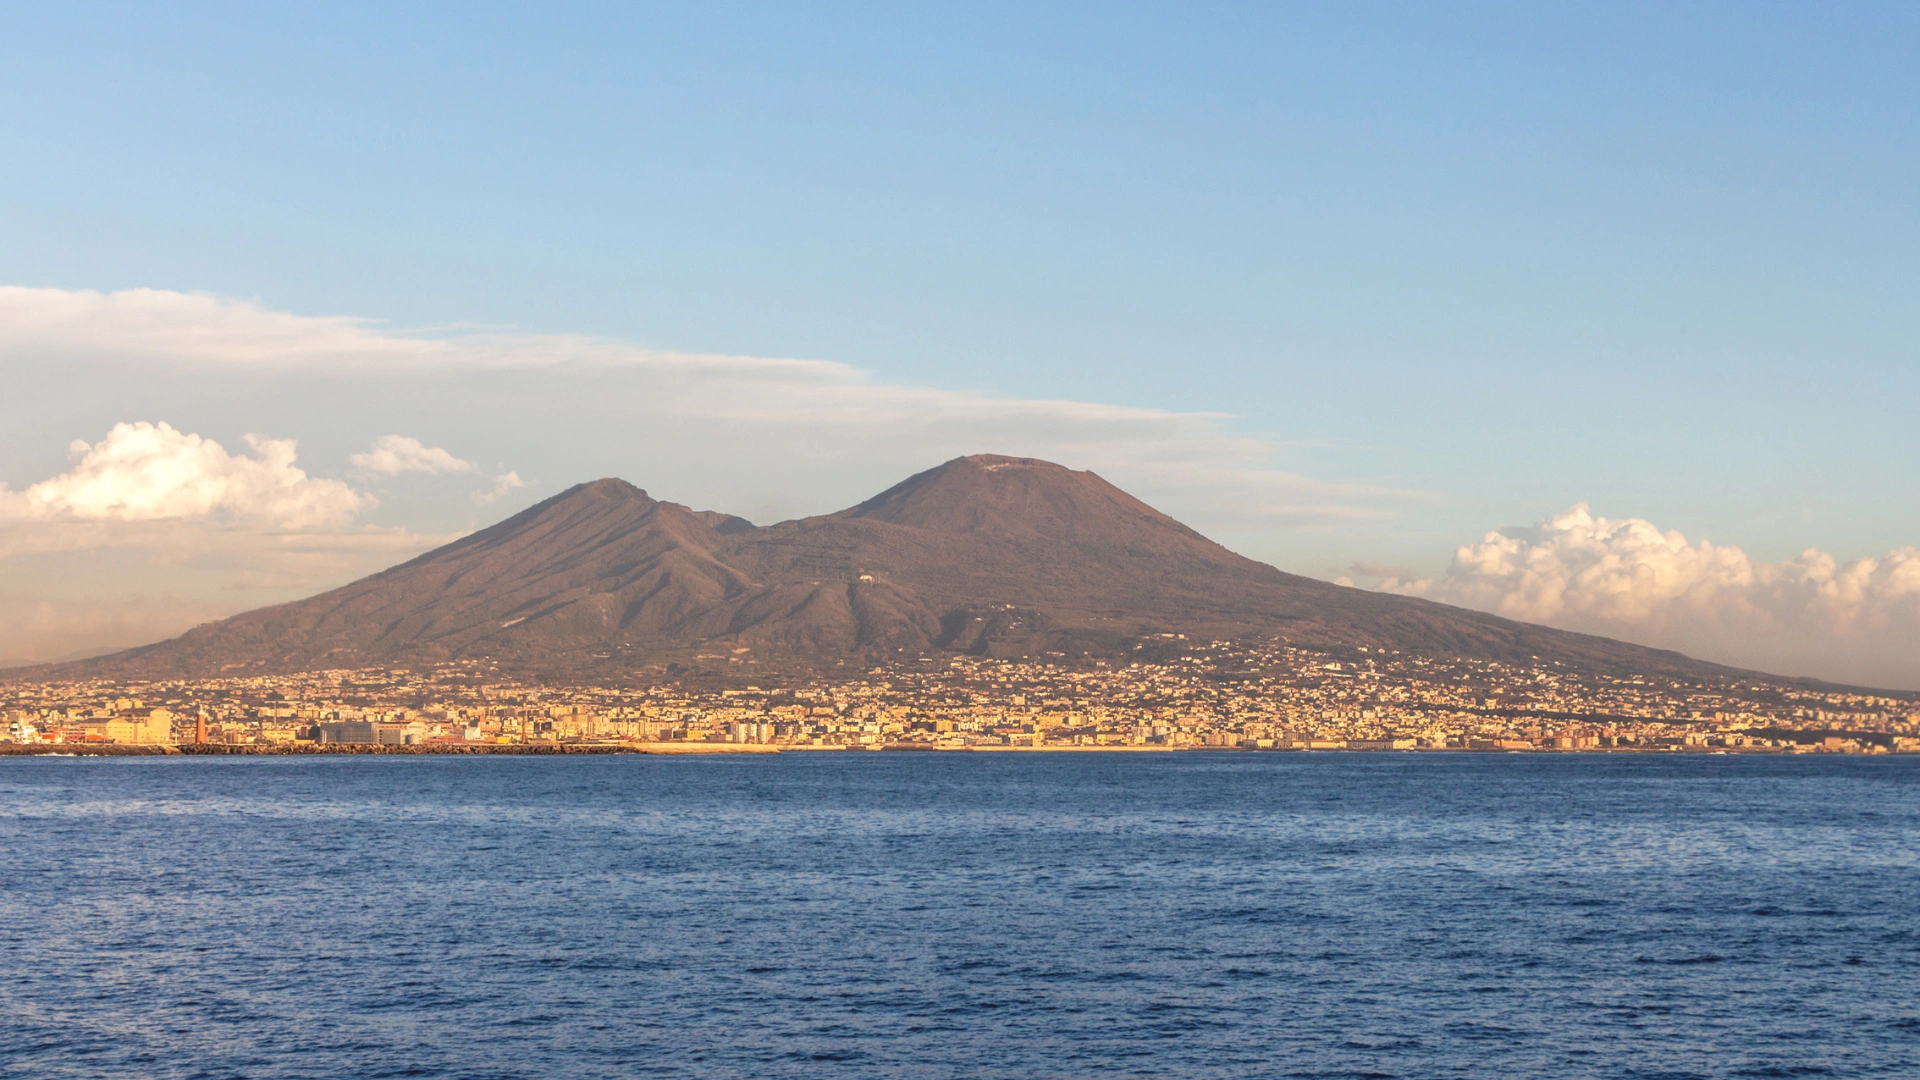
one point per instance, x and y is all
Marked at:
(158, 324)
(769, 406)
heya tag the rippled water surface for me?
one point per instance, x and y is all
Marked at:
(961, 915)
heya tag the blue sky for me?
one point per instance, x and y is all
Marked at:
(1497, 259)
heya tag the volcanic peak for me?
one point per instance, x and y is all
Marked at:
(1015, 498)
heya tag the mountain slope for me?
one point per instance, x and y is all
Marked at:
(581, 566)
(985, 554)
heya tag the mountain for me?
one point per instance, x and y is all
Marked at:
(989, 555)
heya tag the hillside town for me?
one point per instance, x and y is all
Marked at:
(1178, 695)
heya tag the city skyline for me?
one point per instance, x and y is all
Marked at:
(1170, 694)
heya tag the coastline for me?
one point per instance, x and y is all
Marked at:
(670, 749)
(370, 749)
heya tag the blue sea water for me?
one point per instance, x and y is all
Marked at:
(961, 915)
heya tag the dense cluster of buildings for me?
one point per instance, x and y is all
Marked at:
(1176, 694)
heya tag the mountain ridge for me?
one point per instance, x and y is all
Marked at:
(985, 554)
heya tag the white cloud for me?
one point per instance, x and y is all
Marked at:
(502, 486)
(154, 530)
(1628, 578)
(143, 471)
(392, 455)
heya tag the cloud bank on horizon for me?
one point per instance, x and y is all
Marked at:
(152, 528)
(1628, 578)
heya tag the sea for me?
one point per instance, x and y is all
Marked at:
(856, 914)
